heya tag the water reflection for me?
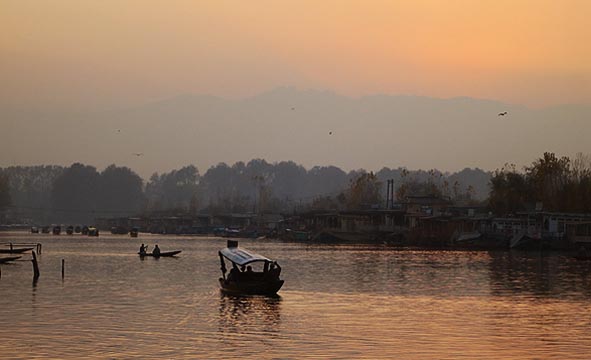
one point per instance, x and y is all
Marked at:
(539, 275)
(245, 313)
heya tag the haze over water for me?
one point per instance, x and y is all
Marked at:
(338, 301)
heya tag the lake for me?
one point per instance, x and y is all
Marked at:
(338, 302)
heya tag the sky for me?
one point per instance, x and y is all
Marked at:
(71, 67)
(111, 53)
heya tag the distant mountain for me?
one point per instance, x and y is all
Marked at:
(307, 126)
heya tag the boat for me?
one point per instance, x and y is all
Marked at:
(57, 230)
(70, 230)
(118, 230)
(34, 230)
(45, 230)
(162, 254)
(4, 260)
(134, 232)
(244, 281)
(15, 250)
(92, 231)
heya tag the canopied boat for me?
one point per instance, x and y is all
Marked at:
(241, 279)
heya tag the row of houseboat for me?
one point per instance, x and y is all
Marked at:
(69, 230)
(419, 221)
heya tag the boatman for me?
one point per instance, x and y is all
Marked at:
(143, 249)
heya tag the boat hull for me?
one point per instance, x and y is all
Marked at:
(162, 254)
(7, 259)
(15, 250)
(268, 287)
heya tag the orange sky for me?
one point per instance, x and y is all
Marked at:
(116, 53)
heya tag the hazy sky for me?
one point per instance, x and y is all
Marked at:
(97, 54)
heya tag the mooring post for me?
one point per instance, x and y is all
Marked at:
(35, 266)
(10, 247)
(63, 267)
(39, 248)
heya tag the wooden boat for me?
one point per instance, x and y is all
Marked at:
(4, 260)
(162, 254)
(15, 250)
(70, 230)
(57, 230)
(34, 230)
(92, 231)
(134, 232)
(265, 282)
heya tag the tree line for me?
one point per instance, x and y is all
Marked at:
(80, 193)
(550, 183)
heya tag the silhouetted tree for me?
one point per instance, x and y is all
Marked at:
(75, 194)
(120, 192)
(364, 192)
(173, 190)
(4, 191)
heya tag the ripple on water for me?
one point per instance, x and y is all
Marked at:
(342, 302)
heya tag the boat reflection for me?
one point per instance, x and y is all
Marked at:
(240, 314)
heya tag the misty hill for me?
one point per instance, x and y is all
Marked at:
(309, 127)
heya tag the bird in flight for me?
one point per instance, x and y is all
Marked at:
(137, 154)
(330, 133)
(502, 113)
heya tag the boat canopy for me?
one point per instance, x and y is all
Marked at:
(240, 256)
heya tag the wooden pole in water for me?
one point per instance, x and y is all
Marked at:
(63, 267)
(39, 248)
(35, 266)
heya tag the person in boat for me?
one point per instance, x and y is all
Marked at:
(234, 274)
(156, 251)
(143, 249)
(275, 270)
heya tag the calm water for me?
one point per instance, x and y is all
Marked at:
(338, 302)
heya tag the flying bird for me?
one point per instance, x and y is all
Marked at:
(330, 133)
(137, 154)
(502, 113)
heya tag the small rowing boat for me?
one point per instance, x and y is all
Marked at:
(4, 260)
(162, 254)
(15, 250)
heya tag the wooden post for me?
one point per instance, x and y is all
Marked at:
(39, 248)
(63, 267)
(11, 247)
(35, 266)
